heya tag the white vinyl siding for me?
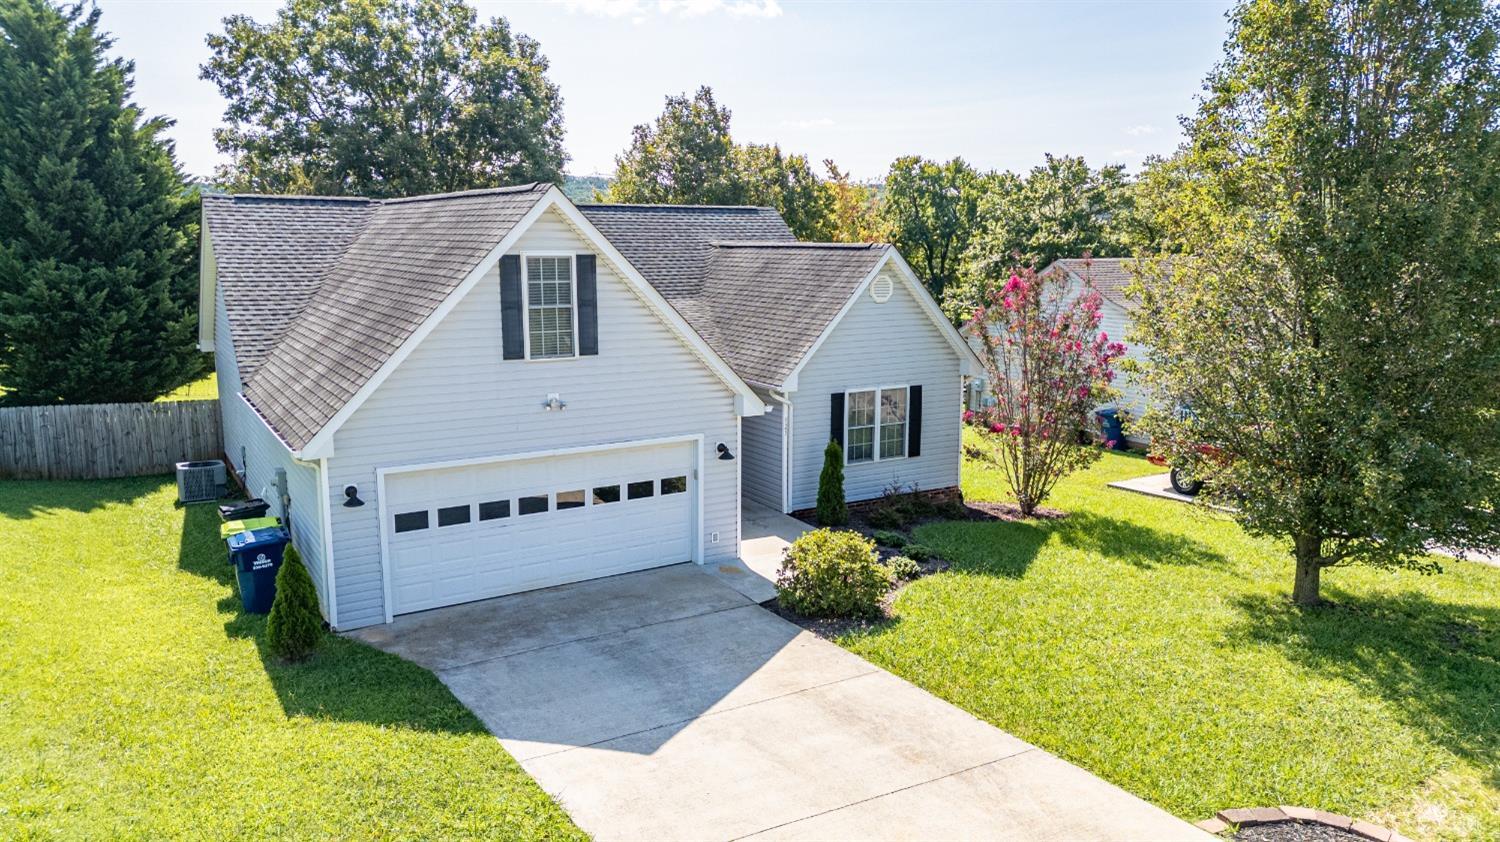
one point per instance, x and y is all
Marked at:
(1115, 321)
(895, 343)
(256, 453)
(761, 473)
(455, 398)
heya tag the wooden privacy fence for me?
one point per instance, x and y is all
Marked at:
(96, 441)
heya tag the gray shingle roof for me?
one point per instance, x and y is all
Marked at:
(409, 255)
(1110, 275)
(765, 304)
(321, 292)
(272, 252)
(739, 277)
(669, 244)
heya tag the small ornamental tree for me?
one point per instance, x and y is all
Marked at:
(832, 510)
(1049, 366)
(294, 626)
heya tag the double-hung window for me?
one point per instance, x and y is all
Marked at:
(549, 306)
(875, 424)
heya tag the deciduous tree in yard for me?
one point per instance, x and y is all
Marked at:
(1049, 366)
(1336, 330)
(930, 209)
(687, 156)
(98, 255)
(383, 98)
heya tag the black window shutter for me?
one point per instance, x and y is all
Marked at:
(588, 305)
(914, 421)
(513, 341)
(836, 420)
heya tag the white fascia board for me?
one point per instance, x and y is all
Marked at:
(746, 401)
(320, 446)
(207, 286)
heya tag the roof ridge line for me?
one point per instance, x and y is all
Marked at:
(291, 197)
(795, 244)
(670, 205)
(530, 187)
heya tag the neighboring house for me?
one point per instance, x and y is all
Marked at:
(1110, 276)
(481, 393)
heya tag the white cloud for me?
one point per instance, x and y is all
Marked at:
(638, 10)
(820, 122)
(1123, 153)
(1141, 130)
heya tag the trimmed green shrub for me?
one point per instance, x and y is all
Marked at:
(886, 517)
(295, 626)
(902, 567)
(890, 538)
(828, 573)
(919, 552)
(832, 510)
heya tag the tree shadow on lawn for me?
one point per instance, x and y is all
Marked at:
(22, 499)
(345, 680)
(1007, 548)
(1436, 663)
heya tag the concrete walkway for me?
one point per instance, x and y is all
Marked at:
(764, 534)
(664, 705)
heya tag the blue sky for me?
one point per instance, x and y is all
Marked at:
(998, 83)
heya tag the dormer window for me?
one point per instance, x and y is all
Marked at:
(550, 316)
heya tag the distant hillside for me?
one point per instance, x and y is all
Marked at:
(580, 188)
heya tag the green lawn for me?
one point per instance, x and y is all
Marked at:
(138, 702)
(205, 388)
(1155, 645)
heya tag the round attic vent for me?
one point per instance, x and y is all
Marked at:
(881, 289)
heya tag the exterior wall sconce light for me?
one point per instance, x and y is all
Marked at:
(554, 401)
(351, 497)
(724, 454)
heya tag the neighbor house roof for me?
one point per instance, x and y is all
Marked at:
(272, 253)
(1110, 275)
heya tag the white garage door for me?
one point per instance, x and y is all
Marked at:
(460, 534)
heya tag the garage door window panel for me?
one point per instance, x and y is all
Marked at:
(494, 510)
(533, 504)
(642, 489)
(606, 494)
(411, 521)
(570, 499)
(454, 515)
(673, 485)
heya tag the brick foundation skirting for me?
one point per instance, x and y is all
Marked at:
(936, 495)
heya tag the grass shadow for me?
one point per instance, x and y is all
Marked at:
(345, 680)
(1436, 663)
(1008, 548)
(22, 499)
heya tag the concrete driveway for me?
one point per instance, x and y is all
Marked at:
(667, 705)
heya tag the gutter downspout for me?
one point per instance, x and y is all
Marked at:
(785, 400)
(325, 513)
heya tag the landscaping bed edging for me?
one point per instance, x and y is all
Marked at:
(1242, 817)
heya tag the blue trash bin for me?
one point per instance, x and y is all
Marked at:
(256, 556)
(1112, 427)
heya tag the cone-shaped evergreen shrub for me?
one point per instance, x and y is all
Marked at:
(832, 511)
(295, 625)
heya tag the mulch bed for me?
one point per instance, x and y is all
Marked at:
(1295, 831)
(832, 627)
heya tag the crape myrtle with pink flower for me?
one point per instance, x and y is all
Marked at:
(1049, 366)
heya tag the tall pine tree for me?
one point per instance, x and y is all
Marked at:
(97, 225)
